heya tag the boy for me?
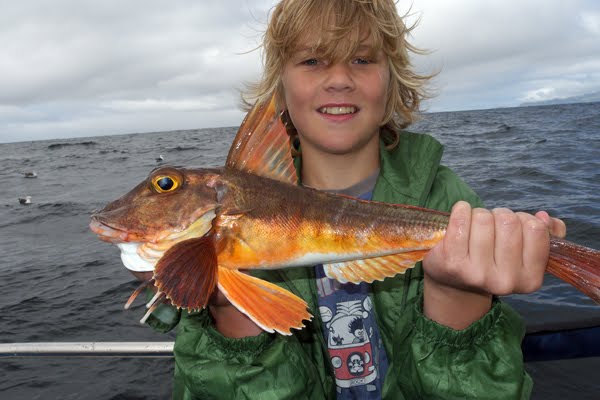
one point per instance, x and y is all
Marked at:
(340, 71)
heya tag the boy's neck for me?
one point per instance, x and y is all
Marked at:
(338, 172)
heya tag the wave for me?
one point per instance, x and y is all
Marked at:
(86, 143)
(182, 148)
(39, 212)
(125, 151)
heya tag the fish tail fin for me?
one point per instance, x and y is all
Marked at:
(272, 308)
(576, 265)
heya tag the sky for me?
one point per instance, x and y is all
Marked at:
(81, 68)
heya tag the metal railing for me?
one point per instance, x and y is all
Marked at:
(87, 349)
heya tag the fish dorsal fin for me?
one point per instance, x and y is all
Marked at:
(262, 145)
(373, 269)
(272, 308)
(187, 273)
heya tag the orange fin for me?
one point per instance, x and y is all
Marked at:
(272, 308)
(187, 273)
(262, 145)
(373, 269)
(576, 265)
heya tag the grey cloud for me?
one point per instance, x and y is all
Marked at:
(493, 53)
(81, 68)
(83, 49)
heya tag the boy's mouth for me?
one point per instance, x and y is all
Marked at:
(338, 110)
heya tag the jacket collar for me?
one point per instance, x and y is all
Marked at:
(408, 171)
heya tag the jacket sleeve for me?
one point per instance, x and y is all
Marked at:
(483, 361)
(164, 318)
(209, 365)
(268, 366)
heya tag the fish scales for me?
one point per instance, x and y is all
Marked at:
(302, 222)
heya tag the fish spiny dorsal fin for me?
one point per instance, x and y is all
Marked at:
(262, 145)
(187, 273)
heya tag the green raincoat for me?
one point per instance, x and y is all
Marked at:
(426, 360)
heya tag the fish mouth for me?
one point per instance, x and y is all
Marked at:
(140, 253)
(109, 233)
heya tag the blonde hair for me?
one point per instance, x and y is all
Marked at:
(340, 27)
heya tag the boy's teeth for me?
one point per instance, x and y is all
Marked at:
(337, 110)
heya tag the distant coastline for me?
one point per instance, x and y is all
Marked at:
(584, 98)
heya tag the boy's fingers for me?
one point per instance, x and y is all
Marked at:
(508, 250)
(481, 239)
(536, 246)
(456, 240)
(556, 226)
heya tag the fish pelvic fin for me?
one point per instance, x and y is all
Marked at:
(269, 306)
(262, 145)
(576, 265)
(187, 273)
(373, 269)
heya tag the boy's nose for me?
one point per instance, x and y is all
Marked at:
(339, 77)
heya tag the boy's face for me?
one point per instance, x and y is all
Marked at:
(337, 108)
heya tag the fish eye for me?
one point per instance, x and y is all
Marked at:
(165, 183)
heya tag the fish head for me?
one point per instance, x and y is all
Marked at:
(171, 205)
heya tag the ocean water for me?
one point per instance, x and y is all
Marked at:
(60, 283)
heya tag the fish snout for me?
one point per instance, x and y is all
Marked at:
(108, 233)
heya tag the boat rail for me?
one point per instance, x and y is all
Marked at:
(87, 349)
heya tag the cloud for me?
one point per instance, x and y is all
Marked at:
(68, 66)
(591, 22)
(88, 49)
(78, 68)
(494, 53)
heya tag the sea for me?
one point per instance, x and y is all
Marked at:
(59, 283)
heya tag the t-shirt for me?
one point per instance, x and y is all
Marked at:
(350, 327)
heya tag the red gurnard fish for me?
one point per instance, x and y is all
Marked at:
(197, 228)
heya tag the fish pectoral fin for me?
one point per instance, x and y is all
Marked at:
(187, 273)
(272, 308)
(373, 269)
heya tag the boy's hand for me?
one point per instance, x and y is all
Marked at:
(485, 253)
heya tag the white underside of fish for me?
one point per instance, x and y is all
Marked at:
(132, 260)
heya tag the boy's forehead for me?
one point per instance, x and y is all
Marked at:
(323, 48)
(317, 43)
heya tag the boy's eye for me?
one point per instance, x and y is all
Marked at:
(310, 61)
(361, 60)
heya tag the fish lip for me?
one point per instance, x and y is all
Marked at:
(114, 234)
(109, 233)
